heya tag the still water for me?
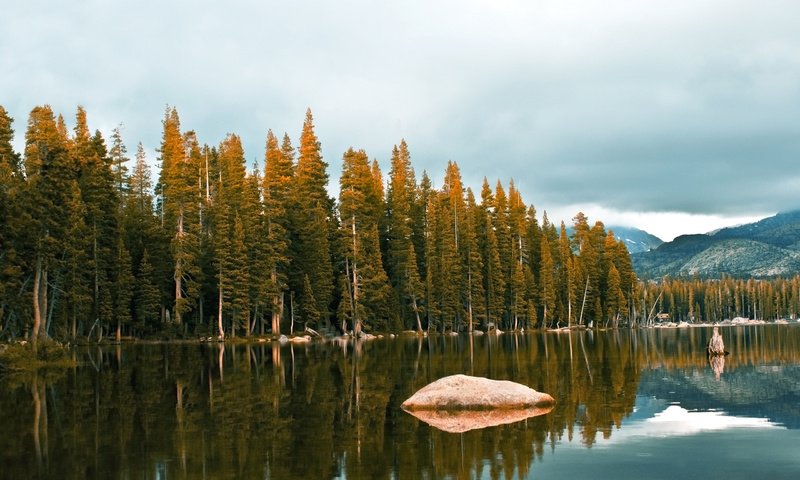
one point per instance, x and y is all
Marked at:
(630, 404)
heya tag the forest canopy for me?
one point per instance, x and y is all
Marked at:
(94, 246)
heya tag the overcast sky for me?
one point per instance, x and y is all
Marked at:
(673, 116)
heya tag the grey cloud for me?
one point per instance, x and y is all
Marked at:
(635, 106)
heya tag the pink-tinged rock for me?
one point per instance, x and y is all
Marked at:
(463, 392)
(459, 421)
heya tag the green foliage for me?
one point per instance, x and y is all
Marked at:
(92, 248)
(29, 357)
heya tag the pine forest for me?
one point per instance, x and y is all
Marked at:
(94, 246)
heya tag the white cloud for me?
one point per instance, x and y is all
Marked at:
(681, 111)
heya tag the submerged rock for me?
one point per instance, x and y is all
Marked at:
(463, 392)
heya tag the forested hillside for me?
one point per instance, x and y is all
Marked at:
(94, 246)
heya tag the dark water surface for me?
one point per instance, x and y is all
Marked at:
(630, 404)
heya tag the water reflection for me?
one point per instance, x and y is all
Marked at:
(460, 421)
(717, 364)
(332, 410)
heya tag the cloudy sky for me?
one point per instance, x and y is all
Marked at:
(674, 116)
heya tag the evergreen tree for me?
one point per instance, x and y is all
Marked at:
(547, 283)
(311, 215)
(178, 205)
(504, 244)
(444, 271)
(11, 182)
(119, 169)
(399, 231)
(473, 266)
(308, 305)
(494, 281)
(123, 284)
(77, 284)
(277, 185)
(47, 174)
(147, 298)
(93, 168)
(360, 209)
(615, 299)
(237, 290)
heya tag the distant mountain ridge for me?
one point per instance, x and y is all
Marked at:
(767, 248)
(635, 239)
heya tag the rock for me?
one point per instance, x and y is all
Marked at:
(715, 345)
(300, 339)
(477, 333)
(460, 421)
(283, 339)
(463, 392)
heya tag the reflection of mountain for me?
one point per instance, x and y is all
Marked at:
(747, 391)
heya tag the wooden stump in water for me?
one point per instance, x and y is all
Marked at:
(715, 345)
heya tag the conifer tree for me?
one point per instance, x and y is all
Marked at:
(122, 288)
(566, 280)
(444, 272)
(11, 182)
(473, 266)
(119, 169)
(239, 278)
(311, 214)
(360, 209)
(504, 244)
(277, 185)
(547, 283)
(454, 190)
(494, 281)
(419, 222)
(308, 305)
(98, 193)
(143, 234)
(47, 172)
(147, 298)
(177, 188)
(77, 284)
(399, 231)
(615, 300)
(258, 250)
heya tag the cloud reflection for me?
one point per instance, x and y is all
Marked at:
(676, 421)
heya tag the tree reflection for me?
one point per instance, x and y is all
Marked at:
(333, 410)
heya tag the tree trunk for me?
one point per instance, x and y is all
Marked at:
(179, 275)
(277, 306)
(219, 309)
(37, 313)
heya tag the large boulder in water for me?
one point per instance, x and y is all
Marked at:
(463, 392)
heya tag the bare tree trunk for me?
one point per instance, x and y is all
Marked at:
(179, 275)
(416, 312)
(277, 306)
(220, 328)
(469, 296)
(583, 303)
(37, 313)
(356, 320)
(291, 322)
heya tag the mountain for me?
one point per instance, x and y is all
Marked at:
(636, 240)
(767, 248)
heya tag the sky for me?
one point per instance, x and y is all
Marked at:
(671, 116)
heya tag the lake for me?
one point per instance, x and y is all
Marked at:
(637, 404)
